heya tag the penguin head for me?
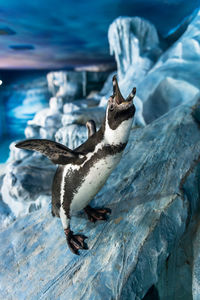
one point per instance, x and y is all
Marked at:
(119, 109)
(119, 113)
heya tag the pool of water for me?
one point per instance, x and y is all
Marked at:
(20, 100)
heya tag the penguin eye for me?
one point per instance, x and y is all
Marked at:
(111, 107)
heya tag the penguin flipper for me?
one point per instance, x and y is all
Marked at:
(91, 126)
(56, 152)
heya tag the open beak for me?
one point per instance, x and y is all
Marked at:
(117, 96)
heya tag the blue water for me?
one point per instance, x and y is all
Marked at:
(20, 107)
(20, 100)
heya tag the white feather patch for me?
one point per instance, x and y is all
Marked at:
(94, 181)
(118, 135)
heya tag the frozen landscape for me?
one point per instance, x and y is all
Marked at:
(151, 249)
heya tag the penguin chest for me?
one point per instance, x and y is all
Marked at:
(93, 180)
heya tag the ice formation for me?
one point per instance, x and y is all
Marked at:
(152, 238)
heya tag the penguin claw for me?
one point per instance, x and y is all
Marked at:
(96, 214)
(104, 210)
(76, 242)
(81, 239)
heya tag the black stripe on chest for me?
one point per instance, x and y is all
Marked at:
(75, 178)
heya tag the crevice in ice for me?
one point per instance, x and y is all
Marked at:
(152, 294)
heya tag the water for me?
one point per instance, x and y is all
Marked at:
(19, 102)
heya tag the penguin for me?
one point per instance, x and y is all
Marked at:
(82, 172)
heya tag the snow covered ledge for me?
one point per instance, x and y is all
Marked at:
(126, 254)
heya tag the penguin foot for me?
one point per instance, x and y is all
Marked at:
(95, 214)
(75, 242)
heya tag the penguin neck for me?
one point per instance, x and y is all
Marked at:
(119, 135)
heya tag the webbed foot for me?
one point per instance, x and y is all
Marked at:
(95, 214)
(75, 241)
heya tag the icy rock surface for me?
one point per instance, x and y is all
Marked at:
(169, 93)
(150, 213)
(136, 46)
(73, 135)
(177, 72)
(196, 265)
(25, 180)
(180, 276)
(163, 79)
(71, 85)
(161, 86)
(6, 216)
(135, 43)
(66, 84)
(81, 116)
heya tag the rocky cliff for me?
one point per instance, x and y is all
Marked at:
(149, 247)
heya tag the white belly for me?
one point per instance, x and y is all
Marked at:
(94, 181)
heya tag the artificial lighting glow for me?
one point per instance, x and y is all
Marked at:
(1, 82)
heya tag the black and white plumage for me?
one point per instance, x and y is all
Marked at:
(82, 172)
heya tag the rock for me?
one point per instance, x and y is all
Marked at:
(48, 132)
(32, 131)
(179, 63)
(72, 107)
(6, 216)
(25, 180)
(17, 154)
(72, 135)
(195, 267)
(66, 84)
(174, 34)
(150, 213)
(168, 94)
(107, 88)
(135, 44)
(179, 278)
(71, 85)
(45, 118)
(82, 115)
(83, 103)
(56, 104)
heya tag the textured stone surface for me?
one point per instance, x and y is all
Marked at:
(135, 43)
(150, 211)
(25, 180)
(150, 245)
(72, 135)
(180, 65)
(82, 115)
(169, 93)
(71, 85)
(165, 76)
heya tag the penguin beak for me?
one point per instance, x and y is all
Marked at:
(117, 96)
(131, 95)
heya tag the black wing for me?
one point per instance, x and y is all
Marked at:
(57, 153)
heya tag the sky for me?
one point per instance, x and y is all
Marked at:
(57, 34)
